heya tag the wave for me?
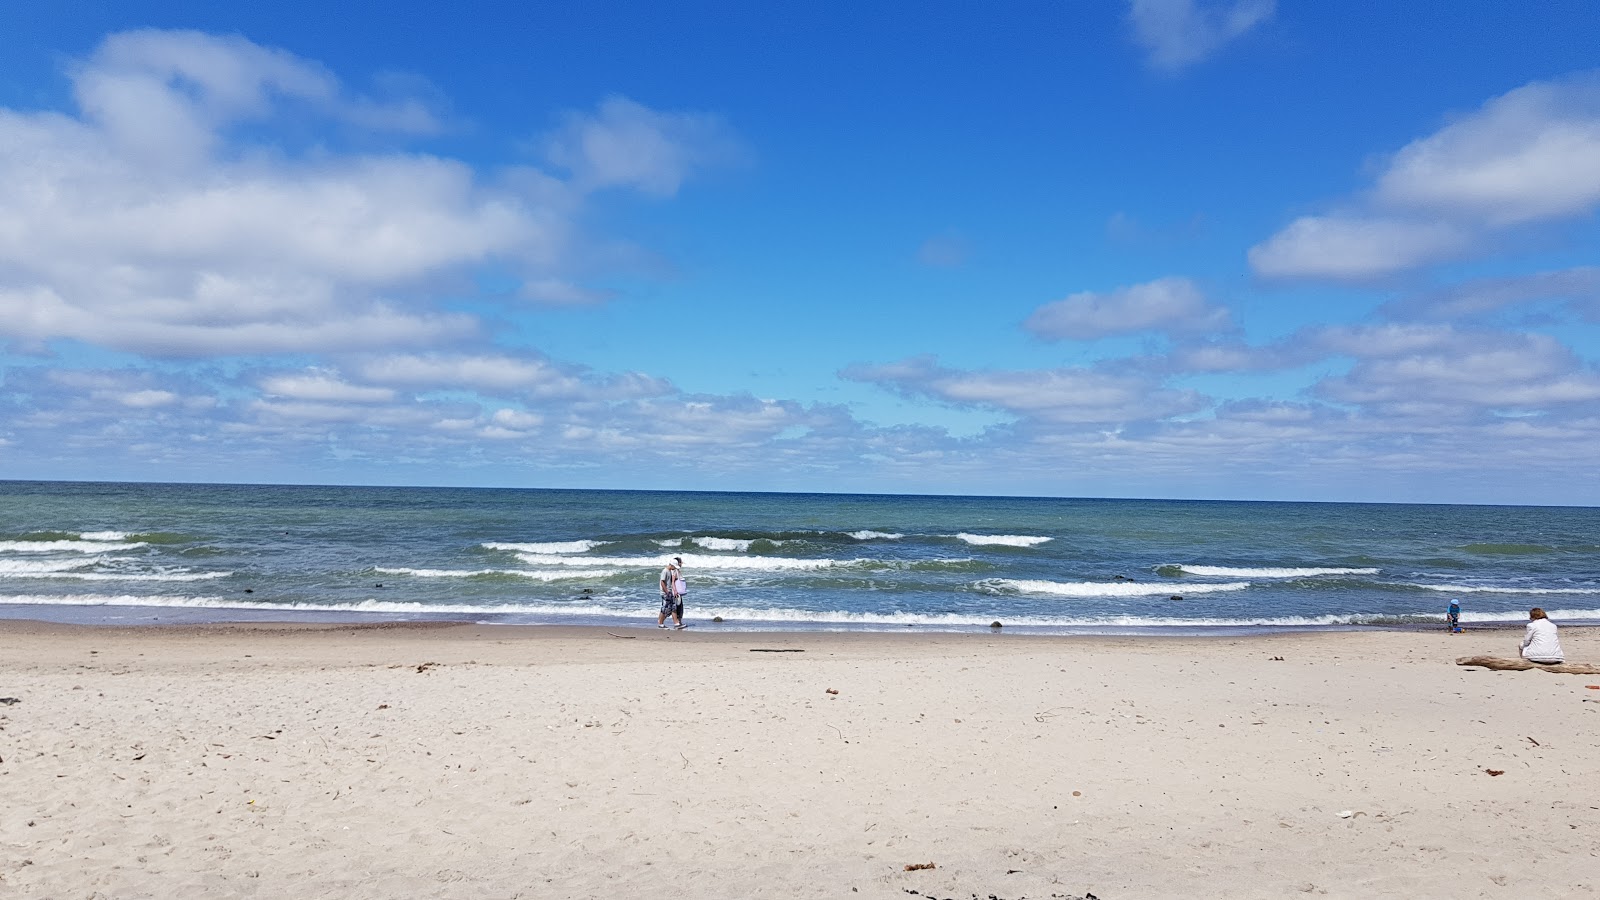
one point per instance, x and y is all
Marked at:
(67, 546)
(1002, 540)
(1481, 589)
(104, 536)
(548, 547)
(870, 535)
(692, 562)
(487, 573)
(719, 544)
(140, 576)
(736, 616)
(30, 568)
(1103, 588)
(1268, 572)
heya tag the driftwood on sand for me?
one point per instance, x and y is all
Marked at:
(1517, 665)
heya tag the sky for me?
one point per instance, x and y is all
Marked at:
(1197, 249)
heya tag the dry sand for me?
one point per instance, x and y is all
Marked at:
(465, 761)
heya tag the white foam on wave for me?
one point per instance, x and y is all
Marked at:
(869, 535)
(104, 536)
(1003, 540)
(141, 576)
(736, 615)
(1480, 589)
(520, 573)
(33, 568)
(65, 546)
(548, 547)
(1268, 572)
(1091, 589)
(692, 562)
(721, 544)
(706, 542)
(363, 606)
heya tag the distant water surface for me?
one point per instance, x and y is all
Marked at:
(143, 553)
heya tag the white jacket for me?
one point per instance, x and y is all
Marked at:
(1540, 644)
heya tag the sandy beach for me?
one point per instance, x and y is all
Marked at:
(468, 761)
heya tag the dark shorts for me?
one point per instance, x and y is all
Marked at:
(671, 606)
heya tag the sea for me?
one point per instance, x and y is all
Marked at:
(153, 554)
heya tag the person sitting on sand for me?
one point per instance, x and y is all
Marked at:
(1540, 644)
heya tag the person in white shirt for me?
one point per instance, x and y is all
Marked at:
(1540, 643)
(671, 594)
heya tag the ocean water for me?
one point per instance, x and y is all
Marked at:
(152, 553)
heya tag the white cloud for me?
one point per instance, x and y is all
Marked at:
(147, 223)
(1171, 305)
(1057, 395)
(1577, 288)
(1529, 155)
(322, 386)
(1437, 367)
(626, 144)
(489, 373)
(1179, 33)
(1346, 248)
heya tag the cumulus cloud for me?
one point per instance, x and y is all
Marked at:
(1576, 289)
(1170, 305)
(147, 222)
(1071, 395)
(1179, 33)
(1439, 366)
(1356, 248)
(1529, 155)
(625, 144)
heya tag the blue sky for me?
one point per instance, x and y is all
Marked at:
(1120, 248)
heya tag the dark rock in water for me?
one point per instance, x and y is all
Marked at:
(379, 584)
(249, 590)
(587, 590)
(716, 618)
(1176, 597)
(995, 625)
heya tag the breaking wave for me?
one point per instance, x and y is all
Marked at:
(1267, 572)
(1102, 588)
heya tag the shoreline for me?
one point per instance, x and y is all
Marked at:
(462, 760)
(169, 617)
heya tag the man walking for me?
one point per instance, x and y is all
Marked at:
(671, 594)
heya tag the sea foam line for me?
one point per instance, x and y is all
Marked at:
(1268, 572)
(735, 615)
(1002, 540)
(1088, 589)
(64, 546)
(520, 573)
(33, 568)
(548, 547)
(692, 562)
(1468, 589)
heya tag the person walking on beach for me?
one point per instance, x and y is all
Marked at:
(1453, 617)
(1540, 643)
(671, 594)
